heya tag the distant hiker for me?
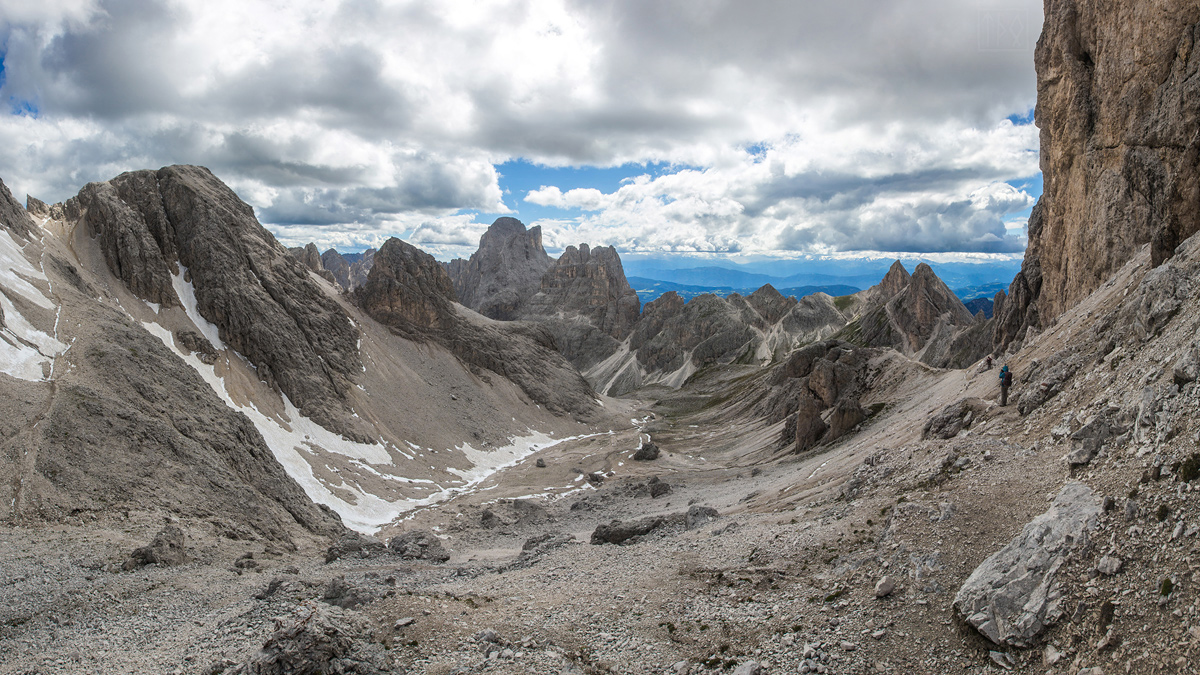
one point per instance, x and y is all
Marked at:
(1005, 383)
(989, 362)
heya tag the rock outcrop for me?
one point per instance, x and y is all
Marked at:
(589, 282)
(411, 293)
(338, 266)
(317, 638)
(818, 388)
(1119, 110)
(12, 217)
(181, 221)
(310, 257)
(504, 272)
(1014, 594)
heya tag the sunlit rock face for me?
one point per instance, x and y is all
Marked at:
(1119, 110)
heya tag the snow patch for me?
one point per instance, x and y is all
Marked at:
(15, 268)
(24, 350)
(187, 295)
(291, 438)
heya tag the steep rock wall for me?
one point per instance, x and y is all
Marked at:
(1119, 110)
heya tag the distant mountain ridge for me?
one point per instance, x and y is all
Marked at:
(650, 289)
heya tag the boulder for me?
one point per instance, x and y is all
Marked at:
(1014, 594)
(647, 452)
(1087, 442)
(167, 548)
(619, 532)
(699, 516)
(318, 639)
(419, 545)
(355, 545)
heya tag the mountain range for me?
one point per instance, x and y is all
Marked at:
(220, 455)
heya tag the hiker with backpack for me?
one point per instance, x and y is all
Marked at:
(1005, 382)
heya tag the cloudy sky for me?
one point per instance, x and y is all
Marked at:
(736, 127)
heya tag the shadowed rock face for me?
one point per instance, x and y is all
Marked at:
(590, 282)
(134, 425)
(12, 216)
(504, 272)
(149, 223)
(338, 267)
(409, 290)
(1119, 109)
(412, 294)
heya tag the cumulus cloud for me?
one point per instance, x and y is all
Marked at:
(855, 190)
(867, 123)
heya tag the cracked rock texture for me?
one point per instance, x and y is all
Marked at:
(1118, 107)
(265, 306)
(1013, 595)
(412, 294)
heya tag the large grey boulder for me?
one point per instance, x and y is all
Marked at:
(1013, 595)
(419, 545)
(317, 639)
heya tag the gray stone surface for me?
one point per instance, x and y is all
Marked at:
(319, 639)
(500, 277)
(1014, 594)
(419, 545)
(411, 293)
(149, 223)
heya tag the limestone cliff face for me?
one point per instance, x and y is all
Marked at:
(409, 291)
(152, 225)
(1119, 111)
(338, 266)
(917, 315)
(504, 272)
(12, 216)
(590, 282)
(412, 294)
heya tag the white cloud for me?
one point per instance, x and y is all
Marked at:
(361, 116)
(853, 189)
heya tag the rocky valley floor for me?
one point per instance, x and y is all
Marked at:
(734, 555)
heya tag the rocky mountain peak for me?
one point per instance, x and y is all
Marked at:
(504, 272)
(770, 303)
(163, 230)
(591, 282)
(12, 216)
(338, 266)
(896, 279)
(408, 290)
